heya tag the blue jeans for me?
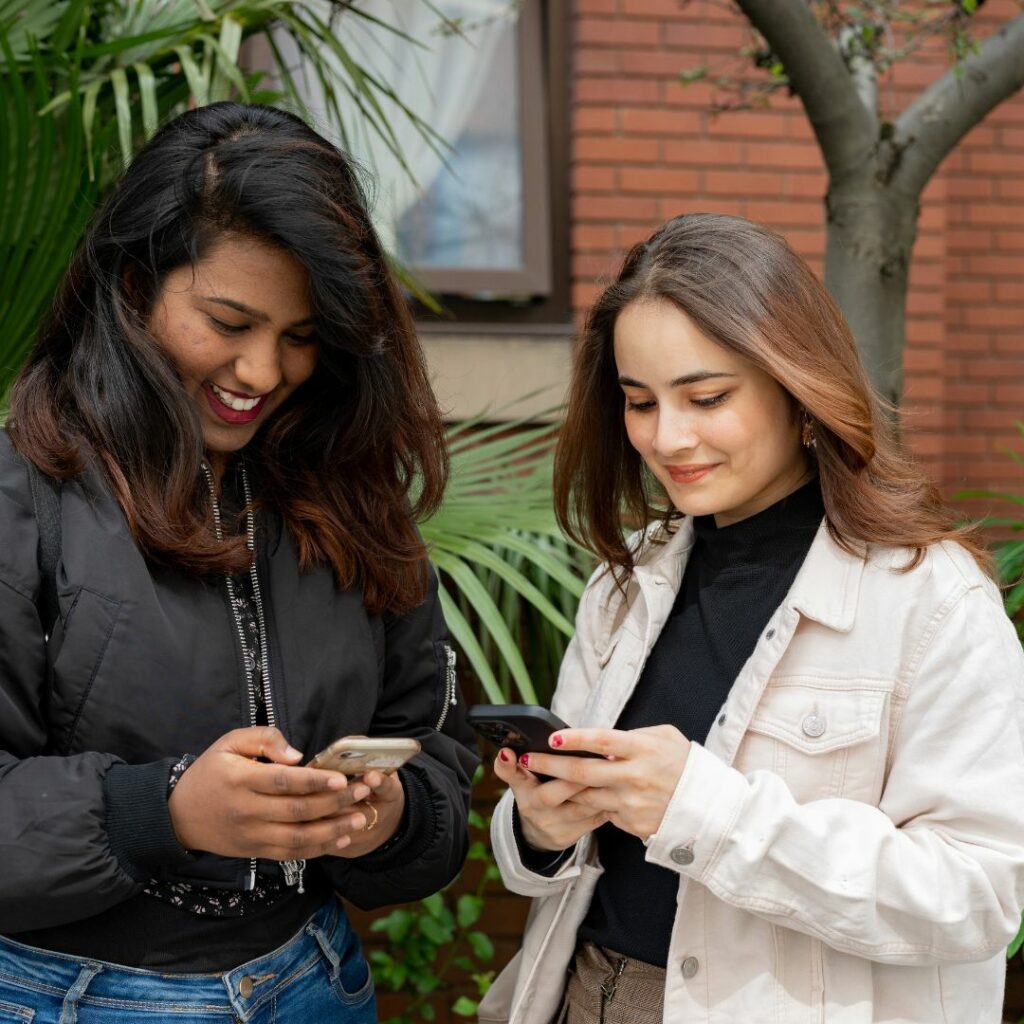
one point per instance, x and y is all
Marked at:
(319, 977)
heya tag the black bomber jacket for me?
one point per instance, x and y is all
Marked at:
(146, 665)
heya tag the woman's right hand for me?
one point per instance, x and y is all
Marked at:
(227, 803)
(550, 819)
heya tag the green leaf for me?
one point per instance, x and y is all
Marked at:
(465, 1007)
(434, 904)
(481, 945)
(122, 104)
(468, 910)
(435, 931)
(147, 98)
(427, 1011)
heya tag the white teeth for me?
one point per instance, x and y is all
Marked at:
(233, 401)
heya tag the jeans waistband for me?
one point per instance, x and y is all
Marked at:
(240, 990)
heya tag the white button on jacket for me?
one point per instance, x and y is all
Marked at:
(855, 823)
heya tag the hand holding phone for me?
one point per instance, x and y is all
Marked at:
(523, 728)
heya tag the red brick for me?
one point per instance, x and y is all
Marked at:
(661, 122)
(616, 90)
(617, 32)
(779, 154)
(783, 213)
(651, 63)
(615, 208)
(588, 237)
(597, 6)
(616, 150)
(594, 119)
(660, 9)
(1011, 292)
(745, 183)
(703, 152)
(587, 178)
(658, 180)
(728, 37)
(762, 124)
(592, 61)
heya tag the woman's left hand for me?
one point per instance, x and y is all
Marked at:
(634, 786)
(381, 813)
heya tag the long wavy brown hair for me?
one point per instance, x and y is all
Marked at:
(353, 456)
(745, 289)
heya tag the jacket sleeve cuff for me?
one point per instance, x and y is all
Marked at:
(541, 862)
(415, 831)
(700, 816)
(139, 827)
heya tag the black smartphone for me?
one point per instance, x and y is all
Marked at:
(524, 728)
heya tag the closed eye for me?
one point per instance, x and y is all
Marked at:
(638, 406)
(710, 402)
(226, 328)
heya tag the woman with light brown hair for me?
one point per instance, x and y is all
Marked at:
(799, 672)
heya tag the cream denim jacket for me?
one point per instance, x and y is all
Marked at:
(850, 839)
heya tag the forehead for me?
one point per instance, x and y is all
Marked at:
(249, 271)
(655, 340)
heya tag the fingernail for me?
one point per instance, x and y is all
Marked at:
(343, 842)
(292, 752)
(360, 793)
(556, 740)
(503, 755)
(525, 760)
(337, 782)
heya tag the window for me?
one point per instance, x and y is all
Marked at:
(485, 222)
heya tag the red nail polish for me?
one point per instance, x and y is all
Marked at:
(556, 740)
(503, 755)
(525, 760)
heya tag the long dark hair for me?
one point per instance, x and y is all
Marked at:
(745, 289)
(353, 456)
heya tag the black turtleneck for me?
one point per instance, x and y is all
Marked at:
(735, 578)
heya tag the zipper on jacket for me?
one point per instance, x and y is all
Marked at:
(450, 687)
(609, 986)
(293, 869)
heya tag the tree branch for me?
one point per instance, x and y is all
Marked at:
(951, 106)
(846, 130)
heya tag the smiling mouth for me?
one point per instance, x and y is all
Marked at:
(232, 408)
(690, 474)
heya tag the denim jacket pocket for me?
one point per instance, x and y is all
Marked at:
(826, 738)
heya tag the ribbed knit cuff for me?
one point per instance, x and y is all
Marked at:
(415, 832)
(139, 826)
(540, 862)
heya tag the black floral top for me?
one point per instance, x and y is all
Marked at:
(201, 899)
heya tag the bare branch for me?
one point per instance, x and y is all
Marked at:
(951, 106)
(846, 130)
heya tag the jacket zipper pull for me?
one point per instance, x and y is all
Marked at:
(293, 873)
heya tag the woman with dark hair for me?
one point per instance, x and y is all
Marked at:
(809, 698)
(226, 432)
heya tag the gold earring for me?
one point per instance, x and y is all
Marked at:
(807, 437)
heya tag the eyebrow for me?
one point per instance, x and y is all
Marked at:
(690, 378)
(256, 314)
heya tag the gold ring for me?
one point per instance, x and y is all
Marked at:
(376, 814)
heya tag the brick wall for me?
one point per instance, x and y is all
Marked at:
(646, 149)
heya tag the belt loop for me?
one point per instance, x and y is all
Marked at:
(326, 948)
(69, 1011)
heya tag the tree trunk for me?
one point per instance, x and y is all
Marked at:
(870, 232)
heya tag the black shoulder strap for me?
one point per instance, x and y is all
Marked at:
(46, 501)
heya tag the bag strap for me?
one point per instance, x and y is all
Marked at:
(46, 502)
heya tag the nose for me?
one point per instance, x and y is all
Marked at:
(258, 365)
(675, 432)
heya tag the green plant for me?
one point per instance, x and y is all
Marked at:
(510, 580)
(431, 939)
